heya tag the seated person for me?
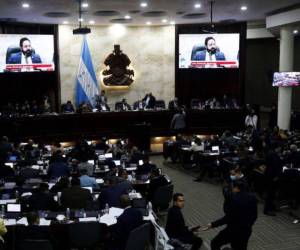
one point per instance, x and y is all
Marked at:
(129, 220)
(42, 199)
(5, 171)
(101, 145)
(58, 167)
(176, 228)
(123, 180)
(156, 180)
(173, 104)
(146, 168)
(60, 185)
(211, 52)
(139, 105)
(68, 107)
(111, 195)
(87, 181)
(33, 231)
(102, 106)
(84, 164)
(75, 197)
(85, 107)
(26, 55)
(124, 106)
(149, 101)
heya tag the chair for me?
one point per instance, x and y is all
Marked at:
(160, 104)
(195, 103)
(195, 49)
(84, 235)
(35, 245)
(139, 238)
(11, 50)
(162, 197)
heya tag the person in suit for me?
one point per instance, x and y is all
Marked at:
(149, 101)
(139, 105)
(58, 167)
(146, 168)
(176, 228)
(26, 55)
(33, 231)
(129, 220)
(272, 173)
(42, 199)
(124, 106)
(211, 53)
(75, 197)
(173, 104)
(239, 218)
(156, 180)
(111, 195)
(102, 106)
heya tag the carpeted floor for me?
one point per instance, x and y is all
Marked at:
(204, 203)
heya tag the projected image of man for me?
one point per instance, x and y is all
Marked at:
(211, 53)
(26, 55)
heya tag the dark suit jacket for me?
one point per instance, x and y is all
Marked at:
(129, 220)
(42, 201)
(175, 227)
(75, 197)
(58, 169)
(151, 103)
(241, 213)
(201, 56)
(145, 169)
(99, 107)
(273, 165)
(17, 58)
(155, 183)
(111, 196)
(173, 105)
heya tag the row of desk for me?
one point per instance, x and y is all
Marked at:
(118, 124)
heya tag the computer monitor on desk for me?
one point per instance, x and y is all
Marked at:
(215, 149)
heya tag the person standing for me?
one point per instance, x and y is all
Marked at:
(239, 219)
(178, 123)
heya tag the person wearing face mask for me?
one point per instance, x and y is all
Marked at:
(212, 52)
(239, 219)
(26, 55)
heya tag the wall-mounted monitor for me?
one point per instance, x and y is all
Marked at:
(26, 53)
(209, 50)
(286, 79)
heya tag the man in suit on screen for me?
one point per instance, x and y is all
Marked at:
(211, 53)
(26, 55)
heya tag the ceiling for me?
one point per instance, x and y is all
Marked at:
(104, 12)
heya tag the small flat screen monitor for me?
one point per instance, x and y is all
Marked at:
(286, 79)
(109, 155)
(215, 148)
(13, 208)
(13, 158)
(117, 162)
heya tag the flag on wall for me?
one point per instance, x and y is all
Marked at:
(86, 81)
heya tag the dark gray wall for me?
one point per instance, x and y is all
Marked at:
(262, 59)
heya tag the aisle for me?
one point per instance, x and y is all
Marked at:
(204, 203)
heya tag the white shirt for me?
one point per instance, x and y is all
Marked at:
(251, 121)
(210, 58)
(23, 59)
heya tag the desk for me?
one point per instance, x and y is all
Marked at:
(117, 124)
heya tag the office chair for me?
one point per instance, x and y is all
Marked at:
(162, 198)
(35, 245)
(84, 235)
(160, 104)
(11, 50)
(195, 49)
(139, 238)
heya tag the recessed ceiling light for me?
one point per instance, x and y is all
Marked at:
(244, 8)
(164, 20)
(148, 23)
(25, 5)
(144, 4)
(84, 5)
(172, 22)
(295, 31)
(197, 5)
(91, 22)
(80, 19)
(65, 22)
(127, 17)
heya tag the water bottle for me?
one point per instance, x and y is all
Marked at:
(68, 214)
(106, 210)
(17, 194)
(133, 175)
(99, 217)
(2, 211)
